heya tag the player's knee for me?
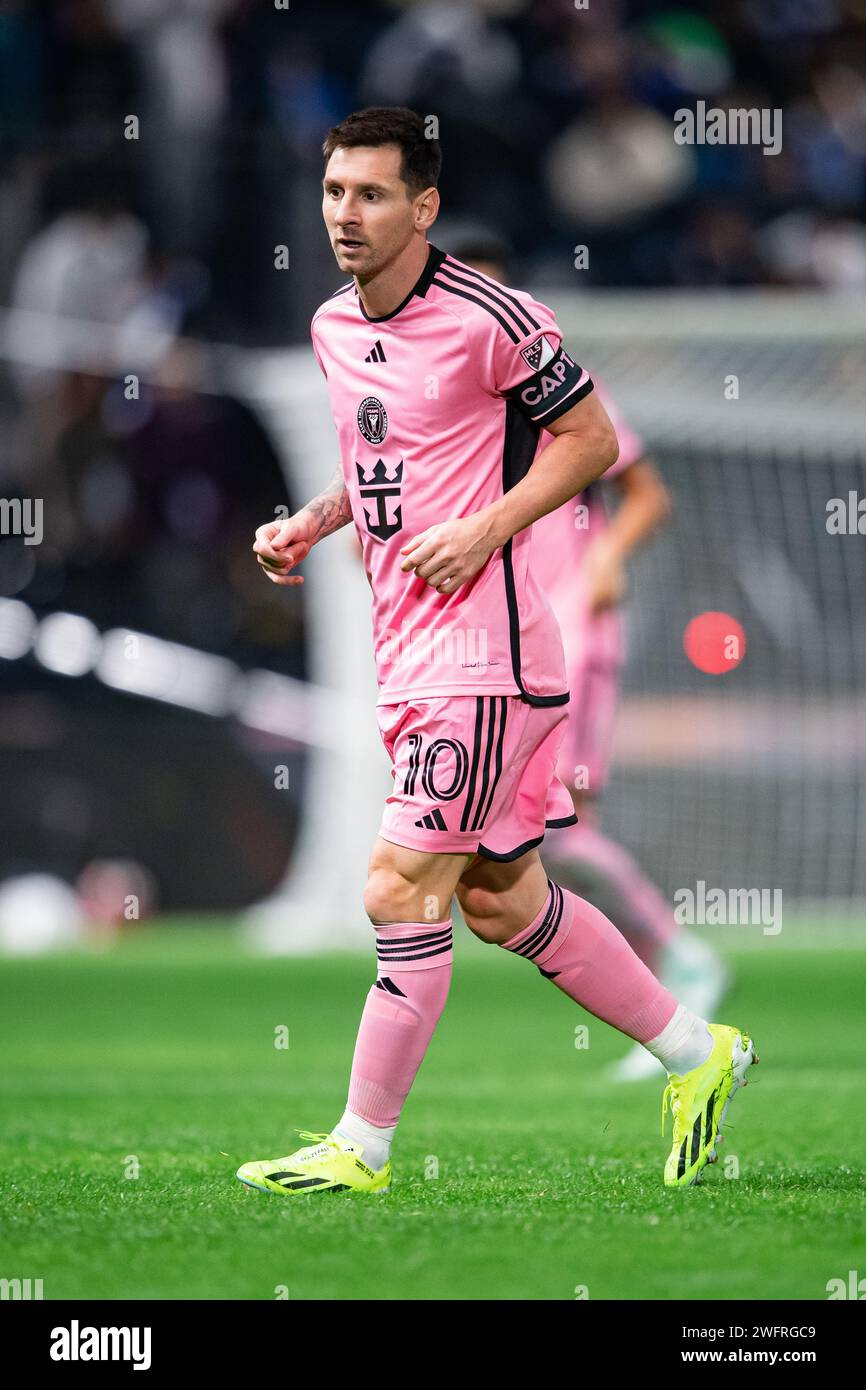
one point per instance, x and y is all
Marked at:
(389, 897)
(482, 912)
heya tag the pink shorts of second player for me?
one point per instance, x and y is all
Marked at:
(473, 774)
(585, 750)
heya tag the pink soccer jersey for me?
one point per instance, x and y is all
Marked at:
(559, 541)
(438, 408)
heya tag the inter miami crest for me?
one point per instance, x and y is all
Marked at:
(379, 486)
(372, 420)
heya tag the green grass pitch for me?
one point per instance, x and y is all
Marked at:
(135, 1081)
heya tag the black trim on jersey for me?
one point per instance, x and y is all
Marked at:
(513, 854)
(474, 299)
(488, 783)
(492, 286)
(425, 280)
(524, 326)
(417, 955)
(561, 821)
(527, 846)
(473, 767)
(435, 257)
(484, 804)
(518, 451)
(486, 795)
(485, 776)
(546, 932)
(398, 944)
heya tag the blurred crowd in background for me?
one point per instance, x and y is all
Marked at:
(557, 128)
(154, 153)
(556, 122)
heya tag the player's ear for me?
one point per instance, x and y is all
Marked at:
(426, 209)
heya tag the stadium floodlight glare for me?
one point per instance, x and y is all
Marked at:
(281, 705)
(68, 644)
(17, 628)
(136, 663)
(142, 665)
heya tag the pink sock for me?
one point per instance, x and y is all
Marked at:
(643, 914)
(401, 1011)
(575, 946)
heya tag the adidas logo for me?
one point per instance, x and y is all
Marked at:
(377, 355)
(388, 986)
(434, 820)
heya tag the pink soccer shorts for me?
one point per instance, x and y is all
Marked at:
(473, 774)
(594, 654)
(585, 750)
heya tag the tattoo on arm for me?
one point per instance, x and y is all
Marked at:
(331, 509)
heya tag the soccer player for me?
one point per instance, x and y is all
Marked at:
(579, 558)
(440, 380)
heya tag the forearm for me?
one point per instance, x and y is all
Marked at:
(568, 464)
(330, 510)
(645, 506)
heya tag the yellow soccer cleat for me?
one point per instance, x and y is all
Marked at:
(699, 1101)
(330, 1165)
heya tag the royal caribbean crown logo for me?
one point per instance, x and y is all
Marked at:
(384, 489)
(372, 420)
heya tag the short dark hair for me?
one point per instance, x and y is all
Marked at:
(420, 156)
(481, 246)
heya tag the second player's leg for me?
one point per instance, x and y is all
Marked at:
(515, 905)
(603, 871)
